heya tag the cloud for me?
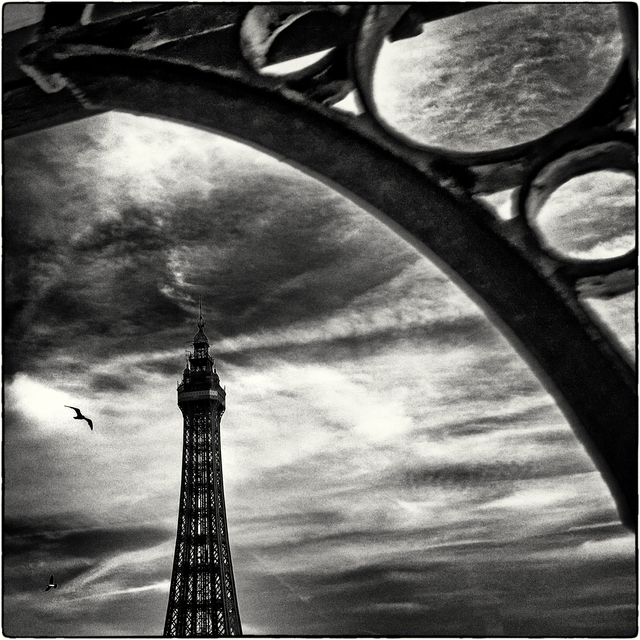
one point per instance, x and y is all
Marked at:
(90, 563)
(60, 466)
(105, 382)
(50, 538)
(482, 474)
(124, 263)
(380, 435)
(498, 584)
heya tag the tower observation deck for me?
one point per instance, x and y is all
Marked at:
(202, 596)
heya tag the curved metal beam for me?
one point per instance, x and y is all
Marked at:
(532, 303)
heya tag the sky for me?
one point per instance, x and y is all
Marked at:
(392, 466)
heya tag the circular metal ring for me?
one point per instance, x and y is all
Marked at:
(380, 20)
(600, 151)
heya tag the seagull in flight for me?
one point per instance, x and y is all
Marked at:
(79, 416)
(51, 582)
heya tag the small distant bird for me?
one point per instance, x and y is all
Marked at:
(79, 416)
(51, 582)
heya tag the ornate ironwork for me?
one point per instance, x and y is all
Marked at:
(202, 64)
(202, 596)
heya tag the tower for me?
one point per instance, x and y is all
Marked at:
(202, 597)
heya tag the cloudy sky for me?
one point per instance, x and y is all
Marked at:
(392, 466)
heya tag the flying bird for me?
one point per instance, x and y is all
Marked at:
(79, 416)
(51, 582)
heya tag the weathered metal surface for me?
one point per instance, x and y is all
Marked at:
(203, 75)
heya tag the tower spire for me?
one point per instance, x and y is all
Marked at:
(200, 340)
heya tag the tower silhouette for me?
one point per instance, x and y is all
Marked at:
(202, 597)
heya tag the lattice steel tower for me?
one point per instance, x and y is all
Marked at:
(202, 598)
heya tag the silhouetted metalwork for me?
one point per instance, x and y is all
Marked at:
(202, 64)
(202, 597)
